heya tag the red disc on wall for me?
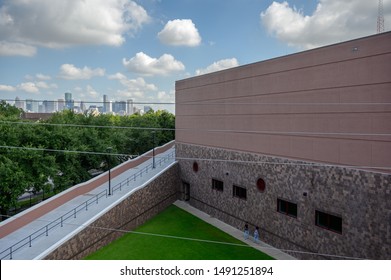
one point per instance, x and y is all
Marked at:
(195, 166)
(261, 185)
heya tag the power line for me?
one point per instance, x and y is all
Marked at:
(89, 102)
(88, 126)
(64, 151)
(199, 240)
(262, 162)
(268, 132)
(212, 103)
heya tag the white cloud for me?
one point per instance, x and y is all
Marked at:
(29, 87)
(138, 85)
(332, 21)
(70, 72)
(43, 77)
(7, 88)
(146, 65)
(44, 85)
(219, 65)
(163, 96)
(91, 92)
(180, 32)
(56, 24)
(16, 49)
(133, 87)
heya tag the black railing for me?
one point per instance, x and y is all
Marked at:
(59, 222)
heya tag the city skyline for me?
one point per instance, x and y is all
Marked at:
(138, 49)
(121, 107)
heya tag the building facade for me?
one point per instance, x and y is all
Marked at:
(298, 145)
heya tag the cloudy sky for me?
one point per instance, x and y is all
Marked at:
(138, 49)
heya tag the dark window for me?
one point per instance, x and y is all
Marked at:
(217, 185)
(186, 191)
(328, 221)
(287, 208)
(239, 192)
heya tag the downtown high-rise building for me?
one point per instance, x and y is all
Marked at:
(19, 103)
(130, 108)
(61, 104)
(69, 103)
(32, 105)
(106, 104)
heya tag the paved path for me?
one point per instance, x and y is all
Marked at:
(238, 234)
(41, 246)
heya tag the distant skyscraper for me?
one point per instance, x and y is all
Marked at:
(83, 107)
(29, 105)
(19, 104)
(106, 104)
(119, 106)
(69, 103)
(130, 109)
(61, 104)
(49, 106)
(147, 109)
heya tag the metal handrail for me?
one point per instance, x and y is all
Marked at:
(73, 213)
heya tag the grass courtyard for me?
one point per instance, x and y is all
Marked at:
(175, 234)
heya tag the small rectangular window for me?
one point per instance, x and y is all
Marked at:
(287, 208)
(239, 192)
(217, 185)
(328, 221)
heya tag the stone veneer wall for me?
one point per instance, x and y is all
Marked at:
(361, 198)
(128, 215)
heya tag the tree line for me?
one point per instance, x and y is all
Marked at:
(34, 157)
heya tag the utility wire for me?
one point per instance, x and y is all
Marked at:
(88, 126)
(197, 239)
(213, 102)
(65, 151)
(268, 132)
(261, 162)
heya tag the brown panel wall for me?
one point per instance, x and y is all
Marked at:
(296, 106)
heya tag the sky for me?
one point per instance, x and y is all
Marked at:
(138, 49)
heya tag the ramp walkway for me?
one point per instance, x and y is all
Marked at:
(35, 232)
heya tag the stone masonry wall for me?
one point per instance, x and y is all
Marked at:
(361, 198)
(128, 215)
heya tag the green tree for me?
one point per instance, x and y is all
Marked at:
(61, 135)
(8, 111)
(13, 184)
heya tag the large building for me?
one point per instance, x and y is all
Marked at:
(69, 102)
(298, 145)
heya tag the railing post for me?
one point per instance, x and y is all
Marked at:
(61, 222)
(86, 206)
(47, 231)
(30, 241)
(97, 197)
(127, 182)
(11, 253)
(74, 215)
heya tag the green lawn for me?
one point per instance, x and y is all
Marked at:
(176, 222)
